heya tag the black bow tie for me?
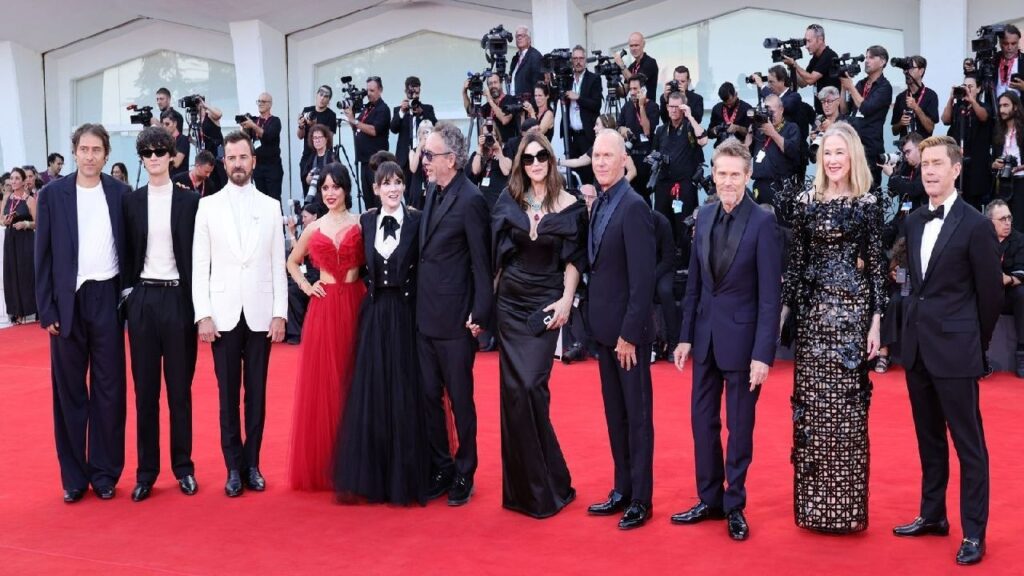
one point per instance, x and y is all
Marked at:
(390, 226)
(933, 214)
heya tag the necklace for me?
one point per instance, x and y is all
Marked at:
(537, 207)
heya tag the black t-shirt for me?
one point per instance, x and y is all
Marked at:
(630, 118)
(722, 118)
(377, 115)
(869, 119)
(649, 68)
(185, 179)
(929, 103)
(212, 135)
(507, 131)
(327, 117)
(680, 147)
(776, 163)
(268, 148)
(181, 145)
(693, 100)
(822, 64)
(491, 180)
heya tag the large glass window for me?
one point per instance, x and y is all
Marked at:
(104, 96)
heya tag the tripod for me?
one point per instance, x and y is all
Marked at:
(348, 163)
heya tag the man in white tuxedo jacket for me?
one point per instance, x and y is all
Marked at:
(241, 303)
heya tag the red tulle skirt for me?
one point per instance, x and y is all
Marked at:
(326, 362)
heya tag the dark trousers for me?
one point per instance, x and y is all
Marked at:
(663, 198)
(705, 416)
(579, 143)
(1013, 303)
(666, 297)
(937, 403)
(297, 304)
(628, 410)
(370, 199)
(268, 177)
(93, 343)
(160, 330)
(240, 358)
(765, 189)
(448, 365)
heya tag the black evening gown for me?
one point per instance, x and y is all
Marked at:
(833, 301)
(535, 478)
(19, 276)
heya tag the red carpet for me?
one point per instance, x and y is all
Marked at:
(282, 532)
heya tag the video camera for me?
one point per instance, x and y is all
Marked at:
(495, 45)
(985, 48)
(606, 66)
(559, 62)
(845, 65)
(785, 48)
(143, 114)
(355, 98)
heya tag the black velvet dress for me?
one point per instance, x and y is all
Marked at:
(18, 274)
(535, 479)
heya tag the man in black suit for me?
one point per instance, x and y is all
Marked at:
(453, 301)
(79, 244)
(585, 99)
(406, 120)
(526, 67)
(622, 251)
(1011, 62)
(733, 298)
(948, 318)
(159, 220)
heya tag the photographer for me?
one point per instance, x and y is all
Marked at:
(680, 143)
(544, 110)
(1011, 62)
(406, 120)
(775, 145)
(211, 137)
(916, 109)
(794, 110)
(681, 83)
(828, 97)
(172, 121)
(490, 165)
(320, 113)
(730, 116)
(970, 124)
(1007, 144)
(637, 121)
(298, 300)
(818, 69)
(371, 135)
(585, 101)
(526, 66)
(499, 106)
(265, 132)
(199, 177)
(1011, 251)
(416, 191)
(310, 169)
(54, 164)
(868, 104)
(163, 104)
(905, 176)
(643, 64)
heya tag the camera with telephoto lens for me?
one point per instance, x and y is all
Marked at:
(751, 80)
(559, 62)
(673, 87)
(782, 49)
(239, 118)
(143, 114)
(415, 104)
(701, 181)
(495, 45)
(817, 136)
(845, 65)
(960, 92)
(655, 160)
(890, 158)
(902, 63)
(355, 98)
(191, 103)
(1009, 163)
(759, 114)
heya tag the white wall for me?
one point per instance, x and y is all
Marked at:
(22, 112)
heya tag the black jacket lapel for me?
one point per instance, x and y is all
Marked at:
(952, 220)
(732, 241)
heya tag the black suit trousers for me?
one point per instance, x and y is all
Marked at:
(448, 365)
(628, 409)
(938, 403)
(93, 413)
(268, 177)
(370, 199)
(579, 143)
(240, 358)
(161, 331)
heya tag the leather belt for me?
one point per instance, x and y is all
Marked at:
(159, 283)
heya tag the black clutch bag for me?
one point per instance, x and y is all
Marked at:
(537, 323)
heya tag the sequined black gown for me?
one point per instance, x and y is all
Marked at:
(535, 478)
(833, 302)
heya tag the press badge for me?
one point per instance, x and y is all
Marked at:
(643, 138)
(760, 157)
(906, 206)
(485, 182)
(677, 206)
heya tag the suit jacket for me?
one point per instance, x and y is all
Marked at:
(621, 283)
(590, 101)
(529, 73)
(951, 312)
(402, 125)
(455, 277)
(406, 253)
(184, 204)
(737, 316)
(56, 248)
(230, 278)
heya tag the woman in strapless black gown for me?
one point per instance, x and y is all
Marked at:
(539, 242)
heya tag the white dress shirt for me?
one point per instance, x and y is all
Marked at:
(931, 231)
(97, 255)
(159, 263)
(514, 88)
(386, 246)
(575, 118)
(241, 199)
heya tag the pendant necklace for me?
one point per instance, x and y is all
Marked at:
(535, 206)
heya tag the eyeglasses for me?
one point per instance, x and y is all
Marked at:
(429, 156)
(1008, 219)
(540, 156)
(149, 152)
(263, 101)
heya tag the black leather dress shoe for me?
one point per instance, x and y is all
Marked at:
(104, 492)
(188, 484)
(142, 491)
(971, 551)
(73, 495)
(490, 345)
(234, 484)
(698, 513)
(738, 528)
(440, 483)
(922, 527)
(613, 505)
(635, 516)
(254, 480)
(461, 490)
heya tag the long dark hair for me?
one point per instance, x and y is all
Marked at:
(518, 183)
(339, 175)
(1016, 119)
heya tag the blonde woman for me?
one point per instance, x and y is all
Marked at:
(835, 287)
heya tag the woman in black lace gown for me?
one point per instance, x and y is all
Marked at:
(835, 285)
(540, 247)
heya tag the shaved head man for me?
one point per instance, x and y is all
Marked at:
(642, 63)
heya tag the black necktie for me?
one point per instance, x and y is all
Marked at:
(719, 234)
(937, 213)
(390, 226)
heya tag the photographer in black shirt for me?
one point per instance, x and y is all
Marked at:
(637, 120)
(905, 176)
(405, 121)
(867, 104)
(680, 143)
(310, 169)
(498, 106)
(163, 104)
(211, 139)
(643, 63)
(818, 69)
(775, 146)
(681, 83)
(794, 110)
(319, 113)
(730, 116)
(171, 121)
(970, 124)
(916, 109)
(265, 133)
(200, 177)
(371, 135)
(490, 164)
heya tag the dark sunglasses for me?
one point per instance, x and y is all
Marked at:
(540, 156)
(149, 152)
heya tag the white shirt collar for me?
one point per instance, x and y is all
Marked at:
(948, 203)
(399, 215)
(240, 190)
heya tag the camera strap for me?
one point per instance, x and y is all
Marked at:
(366, 112)
(1004, 70)
(730, 118)
(868, 85)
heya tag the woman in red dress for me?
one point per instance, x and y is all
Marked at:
(335, 244)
